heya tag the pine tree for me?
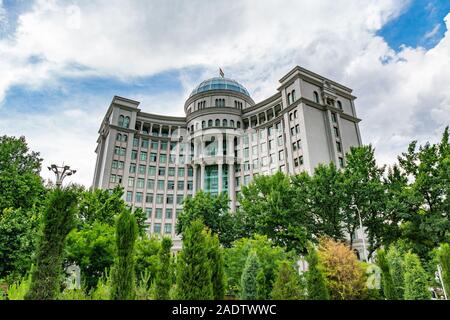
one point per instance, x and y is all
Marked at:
(261, 285)
(395, 263)
(315, 279)
(443, 254)
(388, 286)
(194, 272)
(248, 279)
(163, 281)
(416, 282)
(123, 277)
(287, 285)
(58, 220)
(216, 261)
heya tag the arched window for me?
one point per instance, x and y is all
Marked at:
(217, 102)
(225, 123)
(126, 122)
(210, 123)
(203, 124)
(217, 123)
(289, 98)
(295, 114)
(121, 121)
(316, 97)
(340, 105)
(291, 116)
(192, 128)
(119, 137)
(232, 123)
(293, 95)
(238, 124)
(125, 138)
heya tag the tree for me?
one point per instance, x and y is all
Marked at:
(287, 285)
(213, 211)
(261, 285)
(18, 229)
(123, 277)
(269, 256)
(146, 257)
(163, 281)
(248, 279)
(364, 195)
(389, 290)
(194, 272)
(416, 282)
(345, 276)
(216, 261)
(93, 250)
(443, 255)
(395, 264)
(58, 220)
(20, 183)
(315, 278)
(267, 208)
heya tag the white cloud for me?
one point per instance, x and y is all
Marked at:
(255, 42)
(433, 32)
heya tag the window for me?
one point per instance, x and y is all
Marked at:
(180, 199)
(154, 145)
(112, 178)
(153, 157)
(163, 145)
(297, 128)
(246, 180)
(280, 141)
(295, 114)
(141, 169)
(281, 155)
(162, 158)
(341, 162)
(140, 183)
(131, 182)
(293, 95)
(169, 199)
(255, 164)
(168, 228)
(171, 172)
(119, 137)
(217, 123)
(162, 171)
(160, 184)
(121, 121)
(289, 98)
(169, 213)
(172, 158)
(333, 117)
(263, 147)
(225, 123)
(292, 131)
(144, 143)
(300, 160)
(190, 185)
(150, 184)
(121, 165)
(291, 116)
(132, 168)
(336, 132)
(294, 146)
(157, 228)
(170, 185)
(126, 122)
(138, 196)
(114, 164)
(133, 154)
(296, 162)
(338, 146)
(159, 199)
(238, 124)
(135, 142)
(255, 150)
(117, 150)
(210, 123)
(181, 172)
(339, 104)
(316, 97)
(152, 171)
(143, 156)
(245, 152)
(180, 185)
(232, 123)
(173, 145)
(148, 212)
(129, 196)
(203, 124)
(158, 214)
(190, 172)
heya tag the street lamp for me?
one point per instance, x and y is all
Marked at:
(61, 173)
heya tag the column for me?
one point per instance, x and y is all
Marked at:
(231, 187)
(194, 181)
(220, 174)
(202, 176)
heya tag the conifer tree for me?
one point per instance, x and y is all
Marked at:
(416, 281)
(395, 263)
(386, 278)
(287, 285)
(194, 272)
(248, 279)
(163, 281)
(216, 261)
(315, 279)
(261, 285)
(58, 220)
(123, 277)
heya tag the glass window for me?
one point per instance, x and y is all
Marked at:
(336, 132)
(169, 213)
(112, 178)
(190, 185)
(171, 172)
(149, 198)
(121, 164)
(143, 156)
(281, 155)
(129, 196)
(148, 212)
(114, 164)
(140, 183)
(163, 145)
(138, 196)
(180, 199)
(169, 199)
(263, 147)
(341, 162)
(150, 183)
(180, 185)
(135, 142)
(131, 182)
(153, 157)
(170, 185)
(157, 228)
(133, 154)
(154, 145)
(190, 172)
(255, 150)
(144, 143)
(246, 180)
(172, 158)
(338, 146)
(160, 184)
(333, 117)
(141, 169)
(152, 171)
(159, 199)
(246, 152)
(280, 141)
(162, 158)
(181, 172)
(162, 171)
(167, 228)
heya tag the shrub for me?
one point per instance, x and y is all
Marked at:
(315, 278)
(287, 285)
(416, 282)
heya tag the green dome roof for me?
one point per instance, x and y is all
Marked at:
(219, 83)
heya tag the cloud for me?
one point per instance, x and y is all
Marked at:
(401, 95)
(432, 33)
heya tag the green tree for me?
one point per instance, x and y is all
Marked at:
(146, 257)
(216, 260)
(194, 272)
(287, 285)
(123, 277)
(395, 264)
(58, 220)
(248, 279)
(163, 281)
(213, 211)
(261, 285)
(386, 278)
(20, 183)
(416, 282)
(443, 255)
(267, 208)
(93, 250)
(315, 279)
(18, 229)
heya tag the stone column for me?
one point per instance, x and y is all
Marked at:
(202, 176)
(220, 174)
(231, 187)
(194, 182)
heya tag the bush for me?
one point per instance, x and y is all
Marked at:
(443, 255)
(416, 280)
(103, 289)
(395, 263)
(76, 294)
(288, 284)
(18, 290)
(315, 278)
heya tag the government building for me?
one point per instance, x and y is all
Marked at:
(223, 141)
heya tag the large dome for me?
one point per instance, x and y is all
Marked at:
(219, 83)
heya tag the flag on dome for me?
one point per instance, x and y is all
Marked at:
(221, 72)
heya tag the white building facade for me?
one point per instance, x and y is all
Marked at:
(224, 141)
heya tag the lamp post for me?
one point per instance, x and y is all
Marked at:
(61, 173)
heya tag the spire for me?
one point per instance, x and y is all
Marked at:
(221, 72)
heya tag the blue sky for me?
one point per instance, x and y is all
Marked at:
(61, 62)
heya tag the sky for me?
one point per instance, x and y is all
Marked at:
(61, 62)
